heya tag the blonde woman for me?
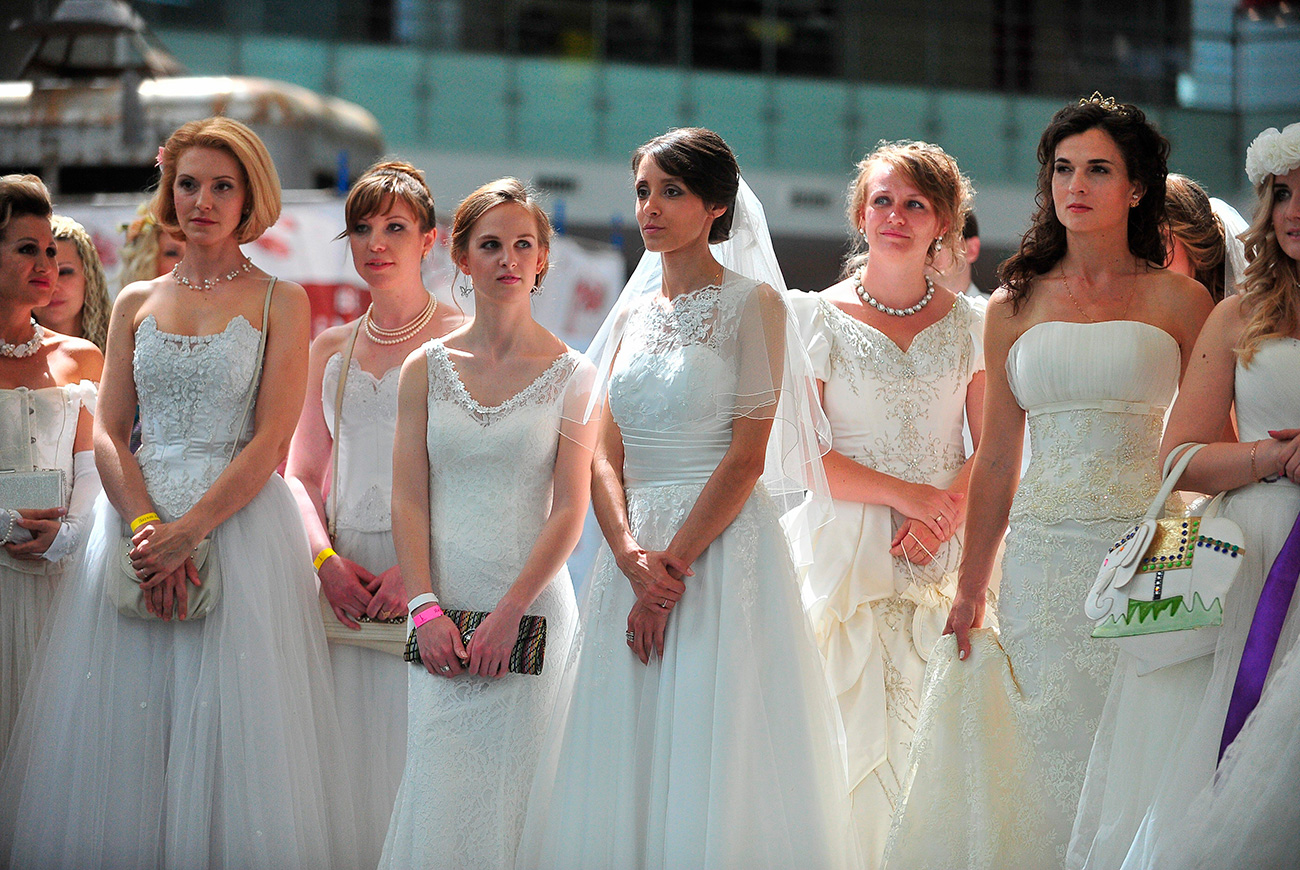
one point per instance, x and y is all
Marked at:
(80, 304)
(148, 251)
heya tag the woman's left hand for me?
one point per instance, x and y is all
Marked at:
(915, 542)
(494, 639)
(388, 595)
(646, 625)
(44, 526)
(161, 548)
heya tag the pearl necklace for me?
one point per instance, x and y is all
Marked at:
(379, 335)
(208, 283)
(868, 299)
(27, 348)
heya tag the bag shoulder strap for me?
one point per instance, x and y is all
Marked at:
(331, 522)
(257, 372)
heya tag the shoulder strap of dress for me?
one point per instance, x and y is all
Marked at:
(257, 372)
(331, 522)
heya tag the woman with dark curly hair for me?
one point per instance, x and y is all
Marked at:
(1087, 337)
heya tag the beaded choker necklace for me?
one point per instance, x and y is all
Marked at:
(208, 283)
(379, 335)
(27, 348)
(868, 299)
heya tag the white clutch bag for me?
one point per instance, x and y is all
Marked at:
(32, 490)
(1159, 591)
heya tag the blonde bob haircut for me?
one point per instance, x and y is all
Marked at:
(261, 183)
(384, 184)
(96, 306)
(489, 196)
(1270, 287)
(933, 172)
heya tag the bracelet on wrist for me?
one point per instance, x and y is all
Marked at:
(420, 600)
(141, 520)
(429, 613)
(9, 518)
(322, 556)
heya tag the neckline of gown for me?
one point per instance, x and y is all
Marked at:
(1151, 326)
(511, 401)
(354, 365)
(230, 324)
(905, 351)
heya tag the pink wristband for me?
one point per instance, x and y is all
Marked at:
(425, 615)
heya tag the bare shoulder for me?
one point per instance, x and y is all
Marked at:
(77, 359)
(332, 339)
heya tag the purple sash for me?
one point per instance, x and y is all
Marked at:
(1261, 642)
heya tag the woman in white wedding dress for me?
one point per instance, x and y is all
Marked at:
(1087, 338)
(700, 731)
(492, 471)
(1243, 816)
(391, 227)
(900, 364)
(47, 396)
(169, 741)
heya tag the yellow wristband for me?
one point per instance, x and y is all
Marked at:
(322, 556)
(139, 521)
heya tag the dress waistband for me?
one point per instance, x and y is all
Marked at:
(667, 458)
(1110, 405)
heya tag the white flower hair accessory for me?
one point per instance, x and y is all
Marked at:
(1273, 152)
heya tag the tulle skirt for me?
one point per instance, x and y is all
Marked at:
(722, 754)
(370, 690)
(184, 744)
(25, 601)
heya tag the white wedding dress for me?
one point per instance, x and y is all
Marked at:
(1248, 817)
(877, 617)
(211, 743)
(473, 742)
(37, 430)
(369, 686)
(1003, 739)
(722, 753)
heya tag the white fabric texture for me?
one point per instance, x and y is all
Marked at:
(1267, 397)
(1096, 394)
(876, 616)
(144, 743)
(37, 430)
(473, 742)
(85, 489)
(369, 686)
(723, 753)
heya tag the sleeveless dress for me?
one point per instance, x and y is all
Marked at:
(37, 430)
(369, 686)
(1003, 739)
(1245, 815)
(877, 616)
(723, 752)
(473, 742)
(212, 743)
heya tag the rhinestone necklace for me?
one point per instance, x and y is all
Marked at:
(379, 335)
(868, 299)
(208, 283)
(27, 348)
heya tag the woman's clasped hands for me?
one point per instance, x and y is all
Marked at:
(658, 580)
(162, 557)
(933, 516)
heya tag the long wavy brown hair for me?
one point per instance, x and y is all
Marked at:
(1194, 225)
(1270, 288)
(1146, 157)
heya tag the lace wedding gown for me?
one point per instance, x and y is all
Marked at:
(369, 686)
(877, 617)
(212, 743)
(1247, 818)
(37, 430)
(723, 752)
(473, 742)
(1003, 739)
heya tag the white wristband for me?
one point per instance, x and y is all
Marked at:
(420, 600)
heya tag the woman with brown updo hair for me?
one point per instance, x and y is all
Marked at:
(390, 230)
(1087, 338)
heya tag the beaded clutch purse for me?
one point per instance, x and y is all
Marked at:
(32, 490)
(529, 652)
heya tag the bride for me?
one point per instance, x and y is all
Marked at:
(700, 732)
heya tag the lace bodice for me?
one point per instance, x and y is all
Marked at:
(368, 421)
(192, 391)
(1096, 394)
(490, 475)
(896, 411)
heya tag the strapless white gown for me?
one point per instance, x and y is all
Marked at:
(1245, 816)
(723, 753)
(1003, 740)
(211, 743)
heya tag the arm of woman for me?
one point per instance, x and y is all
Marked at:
(342, 580)
(276, 410)
(493, 641)
(995, 473)
(441, 649)
(115, 409)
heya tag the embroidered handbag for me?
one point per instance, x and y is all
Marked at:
(123, 586)
(385, 635)
(529, 652)
(1160, 589)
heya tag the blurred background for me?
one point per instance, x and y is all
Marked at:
(559, 92)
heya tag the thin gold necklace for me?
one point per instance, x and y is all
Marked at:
(1086, 316)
